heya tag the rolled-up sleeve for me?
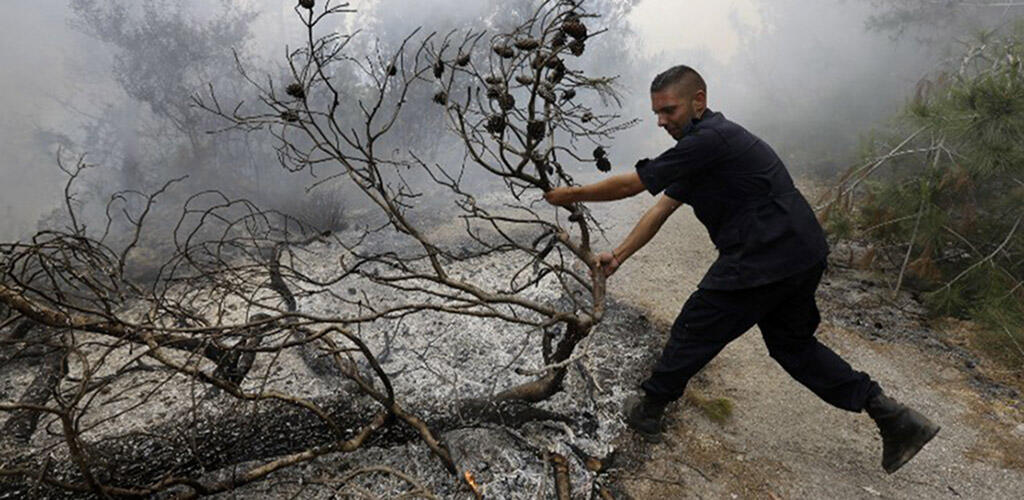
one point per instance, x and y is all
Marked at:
(693, 154)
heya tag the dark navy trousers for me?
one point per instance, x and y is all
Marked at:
(787, 315)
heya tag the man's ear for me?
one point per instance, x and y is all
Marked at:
(699, 101)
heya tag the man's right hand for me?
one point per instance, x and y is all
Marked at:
(560, 196)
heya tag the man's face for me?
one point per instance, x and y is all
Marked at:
(675, 106)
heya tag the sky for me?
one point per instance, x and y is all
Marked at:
(803, 74)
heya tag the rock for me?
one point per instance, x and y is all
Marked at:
(1019, 431)
(950, 374)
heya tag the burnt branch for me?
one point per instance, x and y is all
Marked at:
(221, 340)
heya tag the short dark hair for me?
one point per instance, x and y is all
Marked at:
(681, 74)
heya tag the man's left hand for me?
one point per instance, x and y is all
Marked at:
(608, 262)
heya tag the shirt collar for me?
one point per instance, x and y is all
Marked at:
(693, 123)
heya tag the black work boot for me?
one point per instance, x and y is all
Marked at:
(644, 415)
(904, 431)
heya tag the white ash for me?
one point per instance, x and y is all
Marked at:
(616, 351)
(432, 357)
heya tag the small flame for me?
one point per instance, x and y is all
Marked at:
(472, 483)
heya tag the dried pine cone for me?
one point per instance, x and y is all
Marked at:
(587, 117)
(441, 97)
(295, 90)
(524, 79)
(495, 124)
(462, 60)
(536, 129)
(392, 70)
(540, 60)
(556, 75)
(568, 94)
(547, 93)
(527, 43)
(289, 115)
(495, 92)
(308, 4)
(574, 28)
(599, 153)
(504, 51)
(604, 165)
(506, 102)
(555, 63)
(558, 41)
(577, 47)
(494, 80)
(438, 68)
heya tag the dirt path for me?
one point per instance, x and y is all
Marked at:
(783, 442)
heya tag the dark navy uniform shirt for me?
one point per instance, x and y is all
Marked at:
(740, 190)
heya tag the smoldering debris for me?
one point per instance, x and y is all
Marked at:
(433, 360)
(503, 460)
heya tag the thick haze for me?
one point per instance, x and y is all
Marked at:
(804, 74)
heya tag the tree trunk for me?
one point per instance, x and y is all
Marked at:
(22, 423)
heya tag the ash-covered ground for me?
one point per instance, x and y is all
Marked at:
(432, 359)
(435, 357)
(466, 359)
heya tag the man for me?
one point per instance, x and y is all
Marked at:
(772, 253)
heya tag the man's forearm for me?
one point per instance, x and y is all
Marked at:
(645, 229)
(613, 188)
